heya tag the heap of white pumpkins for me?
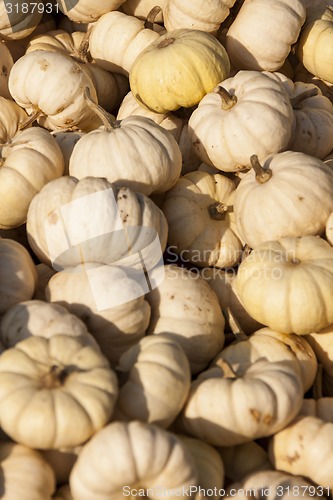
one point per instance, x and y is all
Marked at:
(166, 249)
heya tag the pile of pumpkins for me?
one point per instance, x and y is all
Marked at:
(166, 249)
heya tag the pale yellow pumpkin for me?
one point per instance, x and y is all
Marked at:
(29, 160)
(87, 11)
(186, 307)
(304, 448)
(187, 64)
(246, 114)
(18, 276)
(266, 395)
(261, 36)
(264, 284)
(205, 234)
(141, 456)
(55, 392)
(154, 379)
(289, 195)
(25, 474)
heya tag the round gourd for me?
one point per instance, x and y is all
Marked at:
(289, 195)
(287, 284)
(246, 114)
(142, 456)
(18, 276)
(55, 392)
(186, 307)
(187, 64)
(156, 380)
(265, 396)
(262, 34)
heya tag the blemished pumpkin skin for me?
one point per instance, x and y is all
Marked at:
(18, 276)
(53, 84)
(157, 380)
(199, 15)
(25, 473)
(141, 456)
(264, 284)
(273, 484)
(17, 23)
(115, 327)
(7, 63)
(289, 195)
(31, 159)
(134, 152)
(246, 114)
(74, 221)
(267, 395)
(205, 234)
(314, 47)
(187, 64)
(38, 318)
(65, 387)
(304, 448)
(87, 11)
(117, 39)
(186, 307)
(261, 36)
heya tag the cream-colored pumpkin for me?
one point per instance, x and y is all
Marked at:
(205, 234)
(19, 20)
(273, 346)
(274, 484)
(117, 39)
(329, 229)
(141, 456)
(314, 47)
(246, 114)
(134, 152)
(74, 221)
(55, 392)
(289, 195)
(264, 395)
(287, 284)
(154, 379)
(209, 465)
(303, 75)
(18, 276)
(313, 133)
(12, 117)
(223, 282)
(25, 474)
(66, 141)
(304, 448)
(87, 11)
(109, 302)
(186, 65)
(29, 160)
(262, 34)
(199, 15)
(53, 84)
(186, 307)
(243, 459)
(41, 319)
(141, 8)
(7, 63)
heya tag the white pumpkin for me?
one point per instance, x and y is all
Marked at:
(87, 11)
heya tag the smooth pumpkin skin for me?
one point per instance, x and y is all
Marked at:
(178, 69)
(315, 45)
(287, 284)
(140, 455)
(261, 36)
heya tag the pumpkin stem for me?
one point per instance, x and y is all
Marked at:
(317, 389)
(217, 211)
(32, 118)
(234, 325)
(262, 174)
(107, 119)
(228, 101)
(166, 42)
(152, 14)
(297, 101)
(55, 377)
(224, 366)
(83, 51)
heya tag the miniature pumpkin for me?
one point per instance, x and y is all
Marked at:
(187, 64)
